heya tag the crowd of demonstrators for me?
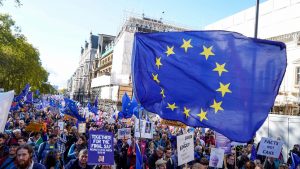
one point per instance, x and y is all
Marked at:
(56, 148)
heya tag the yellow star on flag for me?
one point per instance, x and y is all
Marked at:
(224, 89)
(172, 106)
(158, 63)
(217, 106)
(186, 112)
(202, 115)
(162, 92)
(170, 51)
(207, 52)
(155, 78)
(186, 45)
(220, 68)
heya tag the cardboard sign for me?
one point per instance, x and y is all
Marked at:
(101, 148)
(145, 130)
(269, 147)
(124, 133)
(216, 158)
(173, 123)
(81, 127)
(35, 127)
(185, 148)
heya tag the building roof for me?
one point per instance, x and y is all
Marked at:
(94, 41)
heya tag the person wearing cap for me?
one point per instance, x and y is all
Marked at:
(10, 159)
(161, 164)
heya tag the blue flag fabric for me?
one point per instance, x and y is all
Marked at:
(253, 153)
(213, 79)
(29, 98)
(71, 109)
(139, 158)
(295, 160)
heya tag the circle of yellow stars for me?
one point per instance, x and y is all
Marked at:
(207, 52)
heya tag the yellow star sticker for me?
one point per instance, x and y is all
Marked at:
(224, 89)
(217, 106)
(172, 106)
(186, 45)
(170, 51)
(186, 112)
(220, 68)
(162, 92)
(207, 52)
(202, 115)
(155, 78)
(158, 63)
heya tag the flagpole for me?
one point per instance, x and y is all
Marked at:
(256, 19)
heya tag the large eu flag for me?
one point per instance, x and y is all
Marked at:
(215, 79)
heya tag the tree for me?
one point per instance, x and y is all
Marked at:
(19, 61)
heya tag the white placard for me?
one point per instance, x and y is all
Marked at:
(5, 103)
(269, 147)
(185, 148)
(61, 125)
(81, 127)
(216, 158)
(124, 133)
(146, 129)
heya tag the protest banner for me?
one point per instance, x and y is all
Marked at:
(35, 127)
(81, 127)
(61, 125)
(5, 104)
(216, 158)
(233, 143)
(124, 133)
(101, 150)
(146, 129)
(269, 147)
(185, 148)
(223, 143)
(172, 123)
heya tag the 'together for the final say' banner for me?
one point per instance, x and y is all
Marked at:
(101, 148)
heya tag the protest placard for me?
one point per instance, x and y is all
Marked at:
(173, 123)
(185, 148)
(124, 133)
(216, 158)
(269, 147)
(101, 150)
(81, 127)
(61, 125)
(35, 127)
(145, 130)
(223, 143)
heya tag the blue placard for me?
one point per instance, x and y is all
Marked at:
(101, 148)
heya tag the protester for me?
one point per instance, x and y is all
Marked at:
(158, 154)
(81, 162)
(24, 159)
(9, 162)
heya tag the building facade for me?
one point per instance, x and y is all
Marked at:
(278, 20)
(80, 82)
(114, 65)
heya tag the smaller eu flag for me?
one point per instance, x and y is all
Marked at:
(214, 79)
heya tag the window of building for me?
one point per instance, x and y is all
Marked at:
(297, 80)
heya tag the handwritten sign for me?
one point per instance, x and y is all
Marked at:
(101, 150)
(124, 133)
(269, 147)
(185, 148)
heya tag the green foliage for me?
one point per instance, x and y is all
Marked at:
(19, 61)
